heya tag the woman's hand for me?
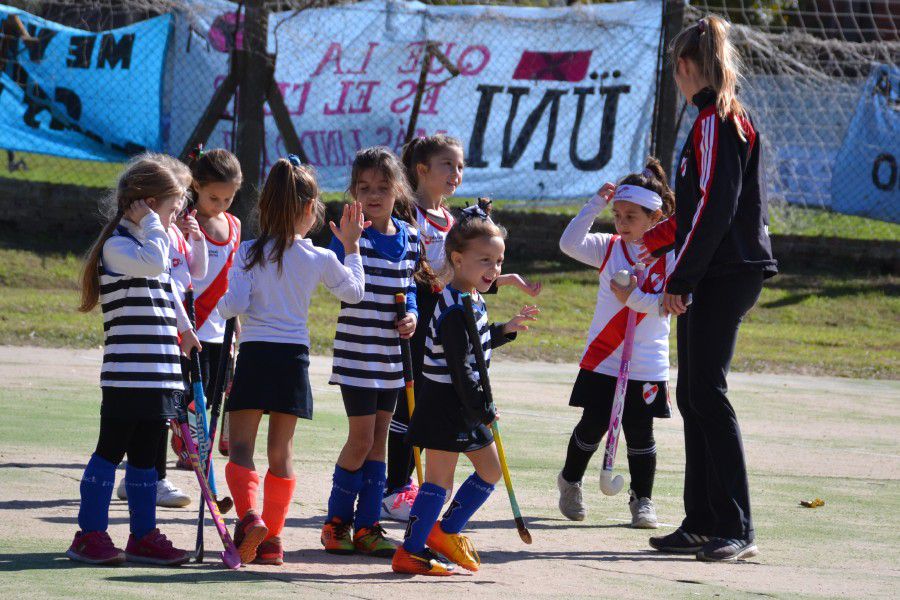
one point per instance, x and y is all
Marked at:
(406, 326)
(673, 304)
(189, 226)
(352, 225)
(622, 292)
(518, 322)
(530, 288)
(189, 342)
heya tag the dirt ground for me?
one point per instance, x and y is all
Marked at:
(805, 437)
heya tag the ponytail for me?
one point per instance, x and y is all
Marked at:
(707, 44)
(90, 273)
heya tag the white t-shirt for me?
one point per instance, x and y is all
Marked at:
(433, 236)
(208, 290)
(274, 306)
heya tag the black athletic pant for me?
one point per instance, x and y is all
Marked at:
(140, 440)
(716, 490)
(400, 463)
(638, 432)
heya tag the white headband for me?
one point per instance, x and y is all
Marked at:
(640, 196)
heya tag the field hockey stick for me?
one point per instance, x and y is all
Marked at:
(230, 557)
(202, 425)
(475, 339)
(400, 305)
(206, 452)
(610, 485)
(218, 397)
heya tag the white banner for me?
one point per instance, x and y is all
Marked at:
(548, 103)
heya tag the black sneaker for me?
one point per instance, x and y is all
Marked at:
(679, 542)
(727, 550)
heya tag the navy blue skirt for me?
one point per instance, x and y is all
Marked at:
(272, 377)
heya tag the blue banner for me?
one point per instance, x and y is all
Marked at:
(81, 94)
(866, 176)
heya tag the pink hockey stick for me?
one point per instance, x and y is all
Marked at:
(610, 485)
(230, 557)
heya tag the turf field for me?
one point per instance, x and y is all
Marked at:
(805, 437)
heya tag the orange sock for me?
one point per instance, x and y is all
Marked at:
(244, 486)
(276, 500)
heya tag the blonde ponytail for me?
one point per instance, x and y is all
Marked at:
(708, 45)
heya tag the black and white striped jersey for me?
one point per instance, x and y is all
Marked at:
(435, 365)
(366, 342)
(139, 324)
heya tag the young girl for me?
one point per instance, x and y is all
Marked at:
(452, 416)
(185, 261)
(217, 178)
(270, 286)
(127, 273)
(434, 167)
(723, 255)
(367, 360)
(638, 202)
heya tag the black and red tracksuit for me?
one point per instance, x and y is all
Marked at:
(722, 255)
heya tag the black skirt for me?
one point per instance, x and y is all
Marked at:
(642, 398)
(272, 377)
(438, 422)
(139, 404)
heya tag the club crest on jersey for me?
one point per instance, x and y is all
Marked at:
(650, 391)
(175, 262)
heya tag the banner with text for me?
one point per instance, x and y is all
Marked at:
(79, 94)
(549, 103)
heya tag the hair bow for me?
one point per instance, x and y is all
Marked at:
(295, 160)
(479, 210)
(196, 152)
(701, 25)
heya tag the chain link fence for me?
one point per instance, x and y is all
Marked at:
(548, 98)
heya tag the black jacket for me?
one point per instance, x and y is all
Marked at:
(721, 221)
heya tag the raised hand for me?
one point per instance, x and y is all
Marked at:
(532, 289)
(352, 224)
(137, 211)
(529, 312)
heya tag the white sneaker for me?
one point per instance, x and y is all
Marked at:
(397, 506)
(571, 499)
(643, 513)
(169, 496)
(121, 490)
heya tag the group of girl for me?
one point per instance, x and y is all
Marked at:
(396, 236)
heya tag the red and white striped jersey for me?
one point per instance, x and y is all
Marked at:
(433, 236)
(603, 352)
(208, 291)
(179, 261)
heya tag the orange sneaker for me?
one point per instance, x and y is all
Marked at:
(455, 546)
(425, 562)
(336, 537)
(248, 535)
(270, 552)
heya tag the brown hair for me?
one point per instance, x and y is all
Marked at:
(214, 166)
(653, 178)
(288, 191)
(385, 162)
(707, 44)
(474, 222)
(420, 150)
(146, 176)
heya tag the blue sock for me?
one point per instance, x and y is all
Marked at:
(423, 516)
(141, 485)
(344, 489)
(471, 495)
(96, 492)
(368, 508)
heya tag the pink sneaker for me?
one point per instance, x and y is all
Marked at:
(248, 535)
(95, 548)
(154, 549)
(396, 506)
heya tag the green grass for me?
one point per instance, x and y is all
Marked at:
(46, 168)
(834, 323)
